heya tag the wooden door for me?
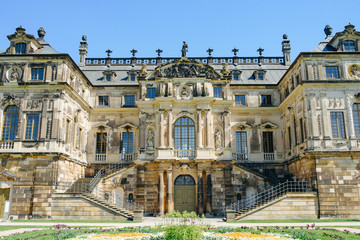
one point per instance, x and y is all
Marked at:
(185, 198)
(4, 196)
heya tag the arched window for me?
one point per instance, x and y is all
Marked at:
(185, 136)
(356, 118)
(11, 116)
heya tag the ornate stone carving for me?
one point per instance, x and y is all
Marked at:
(33, 105)
(319, 124)
(185, 69)
(143, 69)
(14, 73)
(354, 71)
(225, 70)
(48, 127)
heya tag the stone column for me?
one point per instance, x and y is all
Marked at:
(161, 194)
(170, 196)
(170, 130)
(350, 118)
(200, 130)
(226, 132)
(200, 193)
(162, 129)
(208, 129)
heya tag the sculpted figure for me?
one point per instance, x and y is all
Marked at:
(355, 72)
(184, 49)
(150, 139)
(218, 139)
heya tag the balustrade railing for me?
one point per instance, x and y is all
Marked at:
(185, 153)
(269, 156)
(240, 156)
(267, 195)
(162, 60)
(6, 144)
(100, 157)
(127, 157)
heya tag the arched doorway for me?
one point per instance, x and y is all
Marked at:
(185, 193)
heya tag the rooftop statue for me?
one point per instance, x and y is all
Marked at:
(184, 50)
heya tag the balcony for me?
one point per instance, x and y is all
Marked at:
(185, 153)
(240, 156)
(100, 157)
(269, 156)
(6, 144)
(127, 157)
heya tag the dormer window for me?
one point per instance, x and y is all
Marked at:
(236, 74)
(132, 77)
(349, 46)
(259, 74)
(108, 75)
(108, 78)
(20, 48)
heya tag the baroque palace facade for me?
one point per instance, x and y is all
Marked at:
(109, 138)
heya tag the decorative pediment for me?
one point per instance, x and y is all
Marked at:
(268, 126)
(101, 127)
(127, 126)
(6, 177)
(184, 68)
(242, 126)
(340, 38)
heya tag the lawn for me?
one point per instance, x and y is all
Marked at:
(74, 221)
(298, 220)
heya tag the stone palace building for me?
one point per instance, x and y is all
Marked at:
(112, 138)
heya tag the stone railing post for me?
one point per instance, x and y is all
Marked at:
(230, 215)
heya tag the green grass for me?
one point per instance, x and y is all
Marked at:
(298, 221)
(73, 221)
(4, 228)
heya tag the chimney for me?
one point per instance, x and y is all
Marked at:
(286, 50)
(83, 50)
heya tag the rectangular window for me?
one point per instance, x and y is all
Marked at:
(265, 100)
(261, 76)
(218, 92)
(268, 142)
(295, 133)
(332, 71)
(349, 46)
(301, 130)
(129, 100)
(20, 48)
(132, 77)
(101, 140)
(241, 146)
(104, 100)
(337, 125)
(240, 99)
(108, 78)
(151, 92)
(289, 137)
(32, 126)
(127, 146)
(236, 76)
(37, 73)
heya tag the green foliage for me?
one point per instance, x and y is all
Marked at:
(182, 232)
(224, 229)
(303, 235)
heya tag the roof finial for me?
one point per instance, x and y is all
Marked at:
(260, 50)
(133, 52)
(108, 52)
(159, 51)
(41, 32)
(235, 50)
(328, 30)
(210, 50)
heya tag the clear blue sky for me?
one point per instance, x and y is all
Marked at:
(150, 24)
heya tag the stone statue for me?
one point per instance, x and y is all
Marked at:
(143, 69)
(225, 70)
(184, 50)
(218, 139)
(150, 139)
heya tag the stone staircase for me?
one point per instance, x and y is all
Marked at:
(255, 203)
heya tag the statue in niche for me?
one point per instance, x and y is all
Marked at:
(150, 139)
(218, 139)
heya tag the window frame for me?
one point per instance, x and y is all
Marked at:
(37, 74)
(22, 49)
(347, 46)
(9, 128)
(128, 100)
(329, 71)
(266, 137)
(268, 99)
(152, 93)
(338, 129)
(127, 145)
(239, 100)
(101, 142)
(239, 142)
(217, 91)
(182, 128)
(356, 119)
(32, 130)
(103, 100)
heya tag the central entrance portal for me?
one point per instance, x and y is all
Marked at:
(185, 193)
